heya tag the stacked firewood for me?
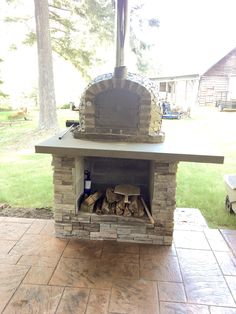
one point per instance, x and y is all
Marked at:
(112, 203)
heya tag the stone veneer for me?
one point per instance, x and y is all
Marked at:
(69, 222)
(116, 94)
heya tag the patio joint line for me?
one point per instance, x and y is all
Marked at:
(60, 300)
(88, 300)
(57, 263)
(234, 254)
(181, 273)
(224, 275)
(21, 282)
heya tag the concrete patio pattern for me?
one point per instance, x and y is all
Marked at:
(42, 274)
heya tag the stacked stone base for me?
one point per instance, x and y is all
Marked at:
(110, 227)
(71, 222)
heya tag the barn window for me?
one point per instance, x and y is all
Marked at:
(163, 87)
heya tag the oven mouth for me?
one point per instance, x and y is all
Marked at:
(116, 116)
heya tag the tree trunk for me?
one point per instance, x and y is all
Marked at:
(47, 103)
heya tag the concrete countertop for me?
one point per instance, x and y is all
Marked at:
(168, 151)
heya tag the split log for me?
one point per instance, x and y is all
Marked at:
(140, 212)
(120, 207)
(136, 207)
(98, 206)
(133, 206)
(127, 212)
(112, 208)
(88, 204)
(105, 207)
(112, 196)
(86, 208)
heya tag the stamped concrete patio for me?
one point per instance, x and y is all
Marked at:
(42, 274)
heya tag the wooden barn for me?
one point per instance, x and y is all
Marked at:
(203, 88)
(218, 82)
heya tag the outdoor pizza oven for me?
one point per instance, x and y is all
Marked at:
(120, 106)
(114, 175)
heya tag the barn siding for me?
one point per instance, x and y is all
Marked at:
(214, 84)
(211, 89)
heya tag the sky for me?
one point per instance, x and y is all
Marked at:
(193, 35)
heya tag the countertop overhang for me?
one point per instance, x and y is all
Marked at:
(171, 151)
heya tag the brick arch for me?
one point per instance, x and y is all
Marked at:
(145, 123)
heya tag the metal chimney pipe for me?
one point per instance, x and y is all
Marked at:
(121, 37)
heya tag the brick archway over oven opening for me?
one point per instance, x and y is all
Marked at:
(123, 109)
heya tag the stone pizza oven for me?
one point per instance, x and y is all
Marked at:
(121, 107)
(118, 142)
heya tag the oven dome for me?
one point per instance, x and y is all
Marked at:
(120, 108)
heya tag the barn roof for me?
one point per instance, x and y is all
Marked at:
(232, 52)
(190, 64)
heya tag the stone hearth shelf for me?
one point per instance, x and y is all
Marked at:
(156, 167)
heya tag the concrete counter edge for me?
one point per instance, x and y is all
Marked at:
(69, 146)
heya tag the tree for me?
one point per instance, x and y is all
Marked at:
(140, 43)
(47, 103)
(79, 28)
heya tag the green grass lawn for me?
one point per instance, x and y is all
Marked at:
(26, 177)
(26, 180)
(4, 115)
(202, 185)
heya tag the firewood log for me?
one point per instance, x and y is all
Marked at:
(91, 199)
(98, 206)
(88, 203)
(105, 206)
(111, 196)
(112, 208)
(133, 206)
(120, 207)
(139, 212)
(86, 208)
(127, 212)
(98, 211)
